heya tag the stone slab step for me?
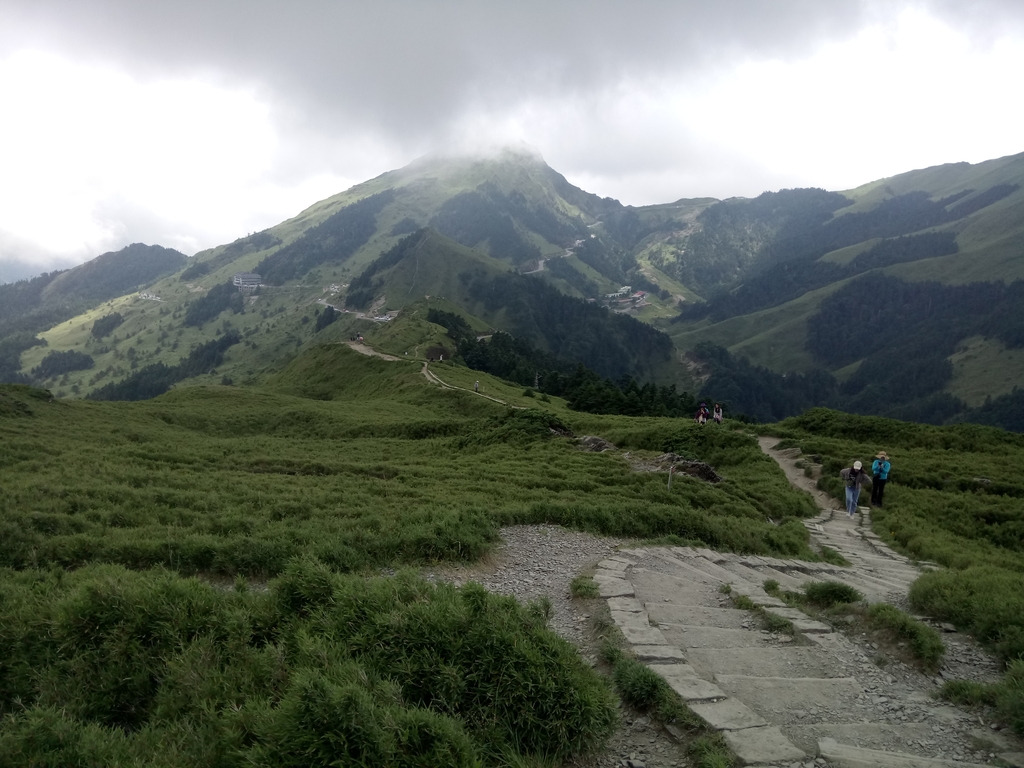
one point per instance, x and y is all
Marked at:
(630, 604)
(766, 661)
(780, 699)
(697, 616)
(702, 571)
(870, 586)
(757, 746)
(631, 619)
(659, 654)
(793, 614)
(747, 574)
(614, 588)
(757, 594)
(684, 681)
(793, 580)
(845, 756)
(643, 635)
(713, 637)
(727, 715)
(654, 587)
(880, 736)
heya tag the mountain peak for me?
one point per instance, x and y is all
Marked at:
(519, 151)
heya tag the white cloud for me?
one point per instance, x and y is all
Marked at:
(82, 146)
(126, 122)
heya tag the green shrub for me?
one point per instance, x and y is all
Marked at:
(771, 586)
(645, 689)
(987, 601)
(743, 602)
(609, 652)
(638, 685)
(710, 751)
(46, 737)
(832, 556)
(322, 722)
(1010, 696)
(1007, 696)
(584, 587)
(387, 671)
(925, 642)
(968, 692)
(779, 624)
(829, 593)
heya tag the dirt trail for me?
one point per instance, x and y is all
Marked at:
(363, 349)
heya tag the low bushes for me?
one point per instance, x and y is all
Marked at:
(105, 666)
(229, 480)
(986, 601)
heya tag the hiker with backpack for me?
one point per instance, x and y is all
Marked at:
(880, 476)
(854, 477)
(718, 413)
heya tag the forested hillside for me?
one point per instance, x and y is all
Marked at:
(880, 290)
(30, 306)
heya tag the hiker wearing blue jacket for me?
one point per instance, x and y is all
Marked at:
(880, 473)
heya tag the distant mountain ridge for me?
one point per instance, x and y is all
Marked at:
(30, 306)
(753, 277)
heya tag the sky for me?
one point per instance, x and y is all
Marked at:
(191, 123)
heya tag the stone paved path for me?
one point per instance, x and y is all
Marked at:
(777, 701)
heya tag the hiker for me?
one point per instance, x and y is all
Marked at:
(854, 477)
(880, 475)
(476, 386)
(718, 414)
(702, 414)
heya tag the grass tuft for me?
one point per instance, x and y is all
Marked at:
(584, 587)
(832, 556)
(1007, 696)
(827, 594)
(925, 642)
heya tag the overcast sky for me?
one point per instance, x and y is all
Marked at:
(190, 123)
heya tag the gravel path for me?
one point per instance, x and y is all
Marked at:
(541, 561)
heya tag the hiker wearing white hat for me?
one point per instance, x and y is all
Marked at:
(880, 476)
(854, 477)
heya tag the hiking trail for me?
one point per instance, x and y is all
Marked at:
(780, 700)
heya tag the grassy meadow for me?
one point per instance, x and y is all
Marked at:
(194, 579)
(370, 467)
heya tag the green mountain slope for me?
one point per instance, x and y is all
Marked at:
(807, 284)
(30, 306)
(505, 240)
